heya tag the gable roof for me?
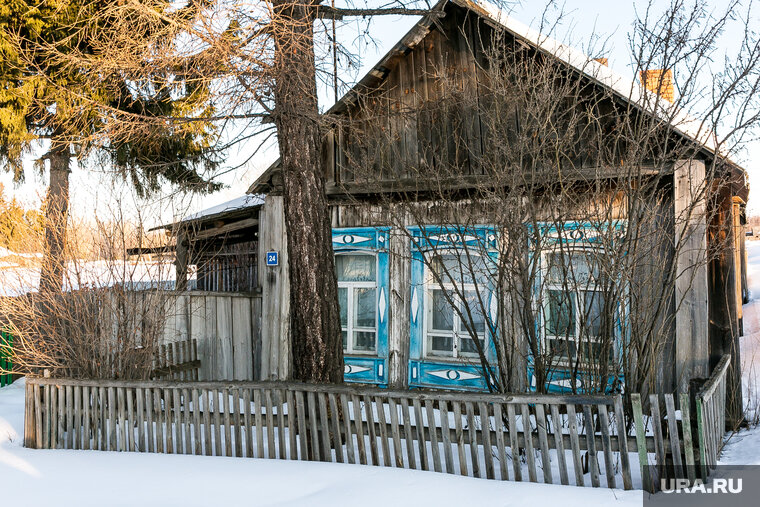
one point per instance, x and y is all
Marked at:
(626, 89)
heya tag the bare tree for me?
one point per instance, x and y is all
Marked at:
(260, 65)
(569, 253)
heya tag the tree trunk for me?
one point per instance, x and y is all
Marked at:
(315, 321)
(56, 214)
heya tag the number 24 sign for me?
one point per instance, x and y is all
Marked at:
(273, 259)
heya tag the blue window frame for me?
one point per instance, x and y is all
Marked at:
(361, 264)
(570, 304)
(451, 277)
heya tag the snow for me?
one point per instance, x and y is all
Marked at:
(244, 201)
(82, 478)
(17, 280)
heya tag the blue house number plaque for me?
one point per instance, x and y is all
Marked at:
(272, 259)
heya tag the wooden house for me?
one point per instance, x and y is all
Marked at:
(388, 312)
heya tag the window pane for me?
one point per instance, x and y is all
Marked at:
(355, 268)
(443, 313)
(476, 318)
(468, 347)
(364, 341)
(344, 336)
(561, 318)
(461, 268)
(442, 346)
(572, 267)
(343, 305)
(562, 349)
(364, 307)
(593, 306)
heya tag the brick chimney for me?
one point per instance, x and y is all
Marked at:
(660, 82)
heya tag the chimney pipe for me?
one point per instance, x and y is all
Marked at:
(659, 81)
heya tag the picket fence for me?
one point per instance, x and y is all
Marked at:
(570, 439)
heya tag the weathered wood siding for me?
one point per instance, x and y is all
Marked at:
(227, 328)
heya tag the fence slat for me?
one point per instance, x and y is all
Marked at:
(408, 434)
(559, 444)
(625, 463)
(459, 433)
(382, 420)
(140, 407)
(528, 438)
(324, 428)
(371, 432)
(208, 448)
(688, 443)
(446, 437)
(227, 423)
(335, 426)
(237, 421)
(217, 422)
(314, 435)
(432, 433)
(572, 420)
(641, 442)
(472, 440)
(609, 465)
(130, 424)
(302, 432)
(350, 454)
(292, 431)
(112, 422)
(269, 414)
(513, 442)
(675, 442)
(501, 454)
(247, 423)
(259, 428)
(76, 423)
(282, 442)
(197, 439)
(659, 444)
(396, 433)
(593, 464)
(121, 444)
(159, 420)
(179, 440)
(543, 443)
(421, 441)
(485, 425)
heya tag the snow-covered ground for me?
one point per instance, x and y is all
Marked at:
(44, 477)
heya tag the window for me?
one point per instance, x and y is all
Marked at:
(455, 312)
(574, 306)
(357, 288)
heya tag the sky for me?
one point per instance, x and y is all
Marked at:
(92, 191)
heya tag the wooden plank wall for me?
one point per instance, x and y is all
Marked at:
(410, 124)
(692, 352)
(225, 326)
(275, 290)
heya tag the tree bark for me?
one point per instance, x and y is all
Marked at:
(56, 218)
(315, 322)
